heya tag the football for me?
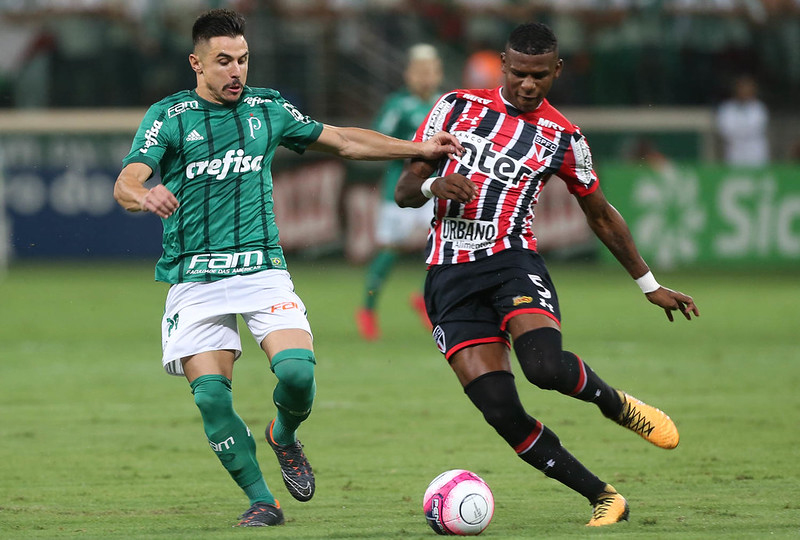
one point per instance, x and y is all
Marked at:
(458, 502)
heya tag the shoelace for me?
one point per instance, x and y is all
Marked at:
(634, 419)
(256, 510)
(296, 459)
(251, 513)
(602, 506)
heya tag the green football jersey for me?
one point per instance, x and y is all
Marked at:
(217, 161)
(399, 117)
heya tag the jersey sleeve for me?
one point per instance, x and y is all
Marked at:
(299, 130)
(152, 139)
(577, 169)
(436, 119)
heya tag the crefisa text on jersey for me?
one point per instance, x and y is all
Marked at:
(151, 136)
(220, 168)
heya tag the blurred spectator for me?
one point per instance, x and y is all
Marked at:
(645, 151)
(742, 123)
(483, 69)
(400, 229)
(794, 151)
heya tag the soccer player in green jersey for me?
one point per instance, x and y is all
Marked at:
(400, 116)
(214, 146)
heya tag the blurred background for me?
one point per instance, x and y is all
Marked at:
(690, 107)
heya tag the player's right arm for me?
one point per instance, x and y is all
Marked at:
(152, 139)
(132, 195)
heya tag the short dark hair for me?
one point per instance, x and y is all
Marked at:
(532, 38)
(216, 23)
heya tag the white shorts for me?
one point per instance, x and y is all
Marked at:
(201, 316)
(397, 226)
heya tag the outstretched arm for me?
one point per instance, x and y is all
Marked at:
(369, 145)
(130, 193)
(611, 229)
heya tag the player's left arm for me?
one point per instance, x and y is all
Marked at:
(368, 145)
(610, 227)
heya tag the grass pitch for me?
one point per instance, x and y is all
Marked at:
(99, 443)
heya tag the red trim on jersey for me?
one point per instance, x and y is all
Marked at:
(538, 311)
(479, 341)
(581, 379)
(530, 440)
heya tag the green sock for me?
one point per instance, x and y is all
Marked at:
(378, 271)
(294, 393)
(229, 437)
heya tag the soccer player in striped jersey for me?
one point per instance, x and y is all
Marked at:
(399, 117)
(487, 287)
(214, 146)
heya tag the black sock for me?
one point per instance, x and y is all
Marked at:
(496, 397)
(543, 450)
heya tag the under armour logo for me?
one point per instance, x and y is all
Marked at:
(472, 120)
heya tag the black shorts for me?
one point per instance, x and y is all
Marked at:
(471, 303)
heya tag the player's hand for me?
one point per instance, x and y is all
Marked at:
(673, 300)
(455, 187)
(160, 201)
(440, 145)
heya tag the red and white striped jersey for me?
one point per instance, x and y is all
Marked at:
(509, 155)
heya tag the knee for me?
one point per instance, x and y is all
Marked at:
(540, 357)
(212, 394)
(297, 375)
(496, 397)
(295, 369)
(500, 408)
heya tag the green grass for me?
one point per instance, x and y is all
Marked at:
(98, 443)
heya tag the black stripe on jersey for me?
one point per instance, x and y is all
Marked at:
(491, 197)
(487, 123)
(524, 142)
(453, 210)
(178, 192)
(264, 202)
(429, 243)
(462, 169)
(237, 195)
(207, 189)
(454, 113)
(558, 157)
(523, 207)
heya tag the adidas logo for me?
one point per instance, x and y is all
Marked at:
(194, 136)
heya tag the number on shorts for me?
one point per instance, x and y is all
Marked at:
(544, 292)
